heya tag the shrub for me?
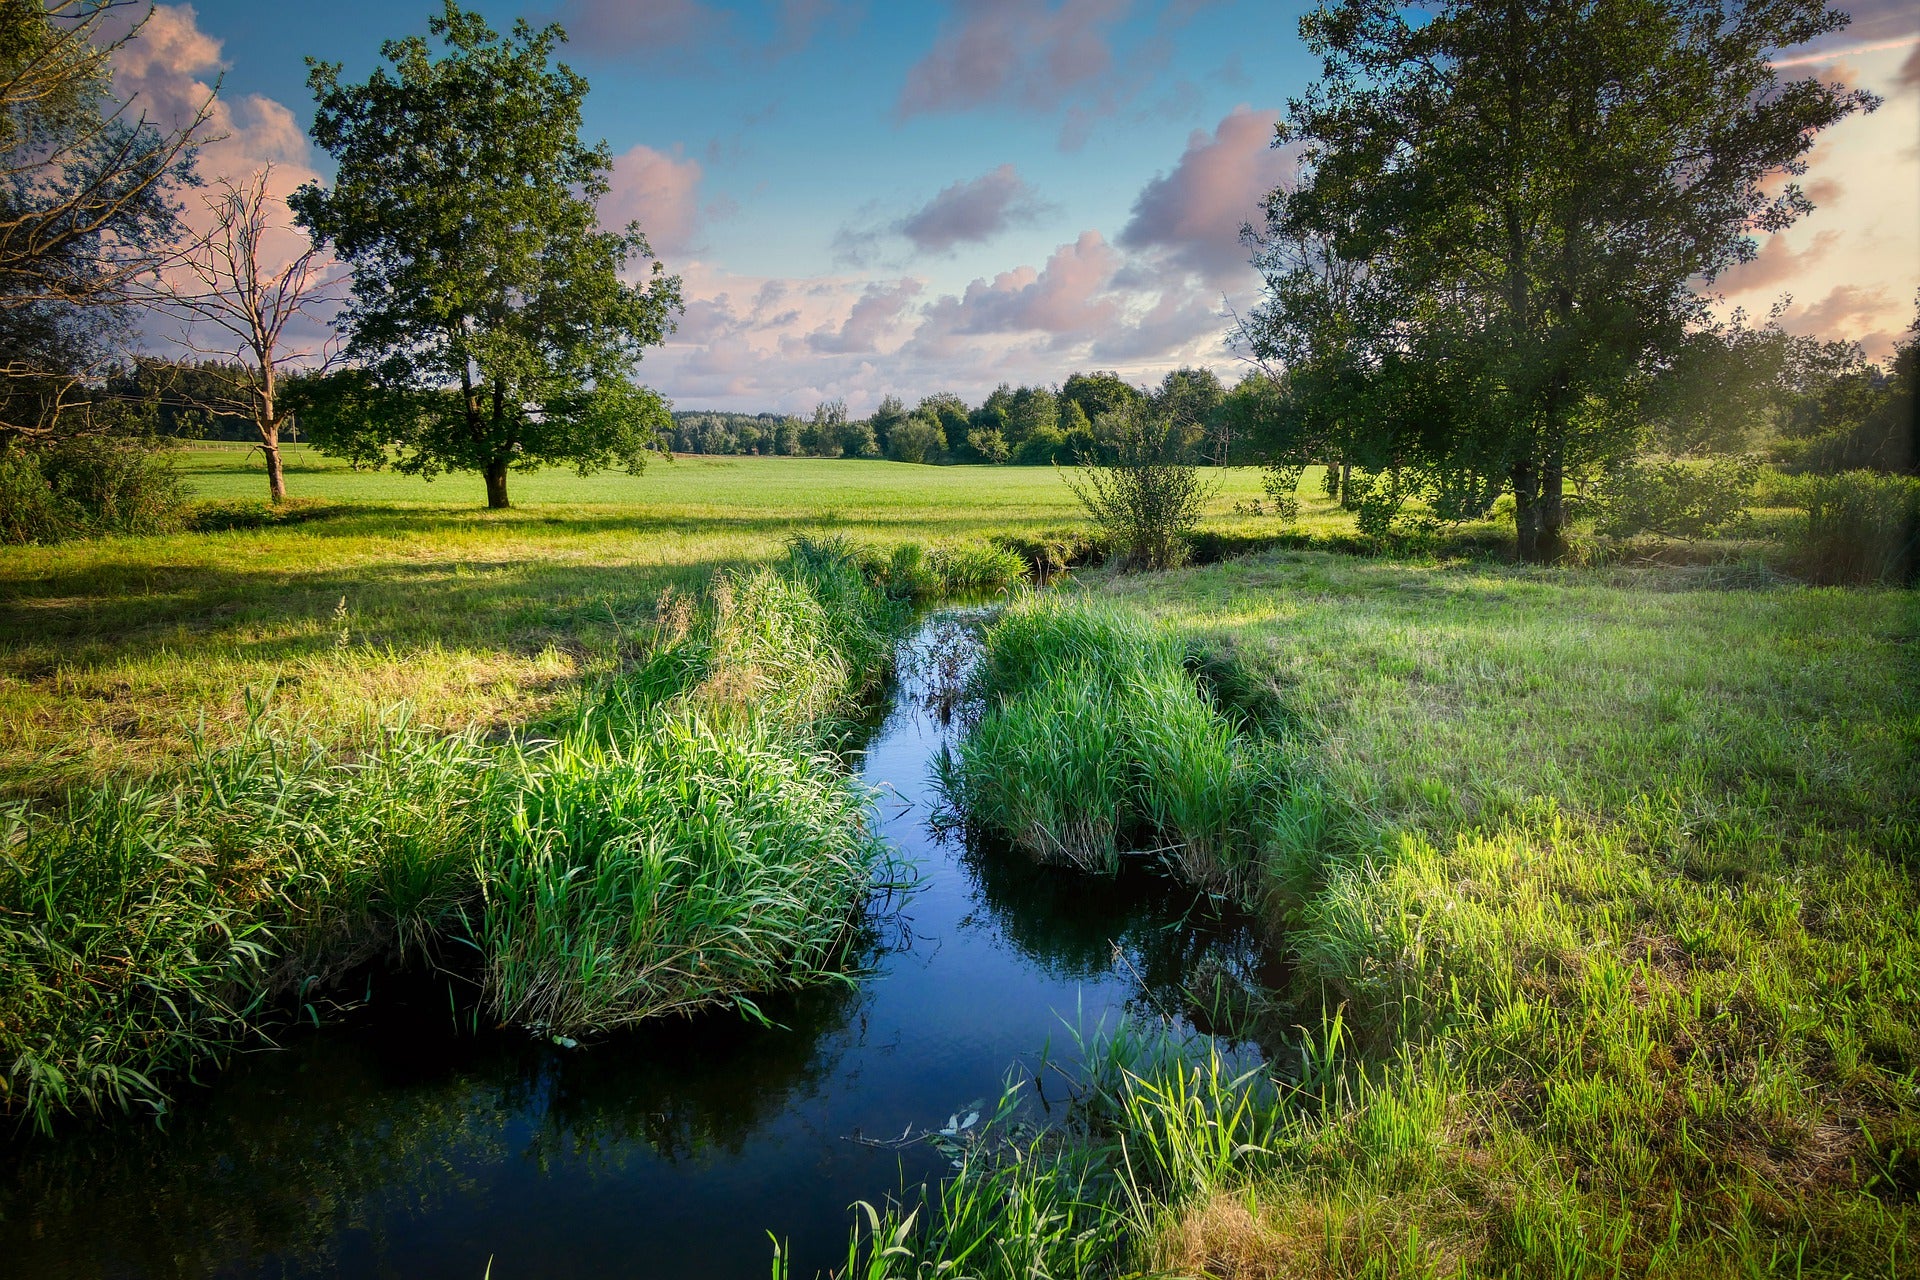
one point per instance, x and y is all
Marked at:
(1676, 498)
(1282, 483)
(915, 439)
(1860, 527)
(1147, 499)
(90, 485)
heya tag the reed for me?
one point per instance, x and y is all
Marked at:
(1095, 742)
(679, 839)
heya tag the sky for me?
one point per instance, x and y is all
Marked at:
(904, 196)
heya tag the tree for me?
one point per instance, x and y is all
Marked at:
(950, 412)
(1536, 187)
(488, 307)
(1190, 399)
(1032, 409)
(86, 207)
(1099, 392)
(915, 438)
(240, 306)
(890, 414)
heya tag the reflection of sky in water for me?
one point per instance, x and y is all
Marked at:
(396, 1147)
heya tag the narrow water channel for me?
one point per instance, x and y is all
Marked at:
(400, 1144)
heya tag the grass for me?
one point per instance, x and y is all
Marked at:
(681, 841)
(376, 588)
(1600, 890)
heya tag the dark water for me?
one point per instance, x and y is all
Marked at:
(396, 1145)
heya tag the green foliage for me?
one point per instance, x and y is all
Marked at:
(1096, 742)
(89, 486)
(1861, 527)
(649, 864)
(1676, 497)
(1147, 500)
(1502, 332)
(915, 438)
(1849, 415)
(488, 308)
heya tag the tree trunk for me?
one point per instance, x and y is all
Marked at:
(497, 485)
(1346, 484)
(276, 482)
(1526, 511)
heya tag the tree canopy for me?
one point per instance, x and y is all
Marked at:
(1502, 215)
(489, 315)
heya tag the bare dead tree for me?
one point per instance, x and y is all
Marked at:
(238, 306)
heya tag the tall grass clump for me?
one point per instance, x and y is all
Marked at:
(1861, 527)
(145, 927)
(667, 866)
(1095, 741)
(1152, 1124)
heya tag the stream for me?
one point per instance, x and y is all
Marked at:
(399, 1142)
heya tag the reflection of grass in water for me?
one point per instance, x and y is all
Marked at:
(398, 1115)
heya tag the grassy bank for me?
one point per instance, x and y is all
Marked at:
(1600, 890)
(678, 838)
(375, 588)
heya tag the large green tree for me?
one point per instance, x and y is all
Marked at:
(1536, 188)
(489, 309)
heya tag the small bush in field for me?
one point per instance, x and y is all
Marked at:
(1148, 498)
(1860, 526)
(1676, 498)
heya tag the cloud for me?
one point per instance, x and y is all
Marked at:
(1062, 298)
(1011, 53)
(623, 28)
(661, 192)
(872, 318)
(972, 212)
(1845, 308)
(1194, 213)
(683, 33)
(1777, 263)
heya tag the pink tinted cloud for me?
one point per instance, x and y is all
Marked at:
(1194, 213)
(873, 317)
(972, 212)
(1777, 262)
(660, 191)
(1063, 298)
(1013, 53)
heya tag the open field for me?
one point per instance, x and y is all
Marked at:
(392, 588)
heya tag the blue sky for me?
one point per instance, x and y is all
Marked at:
(866, 198)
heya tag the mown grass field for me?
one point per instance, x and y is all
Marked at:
(378, 588)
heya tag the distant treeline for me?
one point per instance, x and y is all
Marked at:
(1068, 422)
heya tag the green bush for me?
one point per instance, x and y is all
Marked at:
(1674, 497)
(1147, 499)
(93, 485)
(1860, 527)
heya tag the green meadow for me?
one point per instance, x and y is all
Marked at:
(1596, 885)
